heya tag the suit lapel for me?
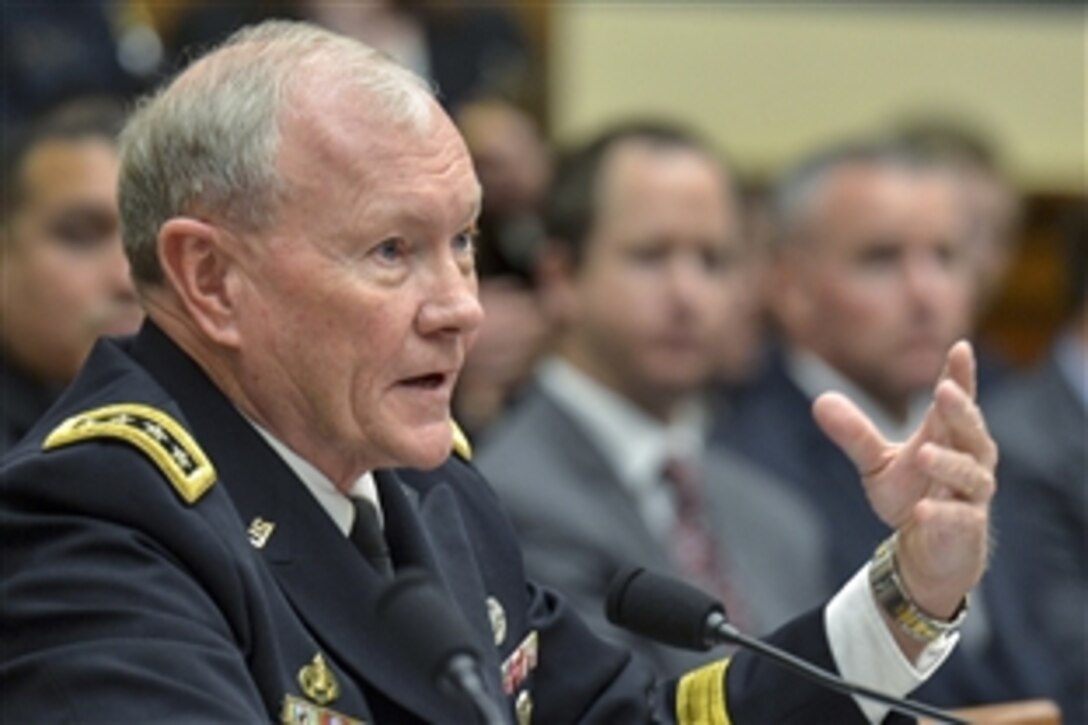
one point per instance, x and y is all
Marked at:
(597, 488)
(323, 576)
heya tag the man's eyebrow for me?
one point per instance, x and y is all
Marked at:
(475, 209)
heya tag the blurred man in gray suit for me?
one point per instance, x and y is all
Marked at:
(603, 461)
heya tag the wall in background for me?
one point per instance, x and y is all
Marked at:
(770, 81)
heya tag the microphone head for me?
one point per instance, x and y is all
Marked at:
(428, 626)
(662, 608)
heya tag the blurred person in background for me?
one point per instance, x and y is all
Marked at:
(602, 460)
(465, 50)
(514, 165)
(992, 204)
(745, 347)
(871, 282)
(55, 50)
(1040, 421)
(65, 276)
(872, 279)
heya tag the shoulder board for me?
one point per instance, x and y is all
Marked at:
(154, 433)
(461, 446)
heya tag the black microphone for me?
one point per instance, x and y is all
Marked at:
(433, 634)
(675, 613)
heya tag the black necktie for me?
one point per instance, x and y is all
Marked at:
(366, 534)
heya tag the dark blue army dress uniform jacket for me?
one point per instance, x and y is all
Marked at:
(162, 564)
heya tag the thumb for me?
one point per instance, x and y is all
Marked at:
(852, 431)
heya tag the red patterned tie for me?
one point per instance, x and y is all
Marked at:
(693, 545)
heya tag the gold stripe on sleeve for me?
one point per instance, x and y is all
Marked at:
(700, 696)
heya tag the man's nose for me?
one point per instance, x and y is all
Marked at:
(452, 305)
(117, 272)
(688, 280)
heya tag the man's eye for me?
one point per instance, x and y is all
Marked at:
(466, 241)
(81, 232)
(391, 250)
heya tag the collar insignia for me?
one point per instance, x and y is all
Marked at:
(259, 532)
(461, 446)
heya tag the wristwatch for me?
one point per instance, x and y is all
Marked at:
(896, 601)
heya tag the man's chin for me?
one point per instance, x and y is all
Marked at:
(427, 449)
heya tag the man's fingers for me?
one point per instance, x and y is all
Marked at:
(964, 424)
(853, 432)
(959, 366)
(957, 472)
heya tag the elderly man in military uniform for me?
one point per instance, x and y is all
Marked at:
(298, 213)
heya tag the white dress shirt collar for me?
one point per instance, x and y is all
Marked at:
(815, 377)
(336, 504)
(634, 445)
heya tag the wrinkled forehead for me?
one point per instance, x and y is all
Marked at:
(334, 144)
(888, 192)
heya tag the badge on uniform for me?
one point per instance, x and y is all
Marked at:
(259, 532)
(523, 708)
(297, 711)
(318, 681)
(520, 663)
(497, 616)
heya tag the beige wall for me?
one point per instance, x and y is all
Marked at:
(771, 81)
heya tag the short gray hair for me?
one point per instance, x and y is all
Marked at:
(798, 191)
(208, 142)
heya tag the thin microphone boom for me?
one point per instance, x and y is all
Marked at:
(675, 613)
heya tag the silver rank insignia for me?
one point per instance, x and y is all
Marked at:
(497, 615)
(318, 681)
(297, 711)
(259, 531)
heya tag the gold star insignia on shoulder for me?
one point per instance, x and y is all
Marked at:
(153, 433)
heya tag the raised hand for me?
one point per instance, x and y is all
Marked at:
(934, 489)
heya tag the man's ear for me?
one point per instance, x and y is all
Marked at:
(197, 259)
(555, 279)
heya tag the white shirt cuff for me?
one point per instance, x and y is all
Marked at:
(866, 653)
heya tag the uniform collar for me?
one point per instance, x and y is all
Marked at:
(815, 377)
(332, 500)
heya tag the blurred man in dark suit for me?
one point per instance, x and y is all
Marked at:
(66, 279)
(872, 280)
(1041, 423)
